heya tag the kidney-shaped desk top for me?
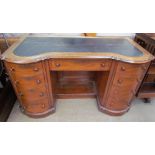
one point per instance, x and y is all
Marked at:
(33, 49)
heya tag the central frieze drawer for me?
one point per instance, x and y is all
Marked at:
(80, 65)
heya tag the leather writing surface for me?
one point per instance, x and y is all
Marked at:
(32, 46)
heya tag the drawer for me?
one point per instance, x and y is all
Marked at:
(123, 91)
(30, 88)
(37, 82)
(25, 69)
(123, 83)
(115, 104)
(131, 71)
(36, 106)
(120, 97)
(31, 94)
(80, 65)
(124, 87)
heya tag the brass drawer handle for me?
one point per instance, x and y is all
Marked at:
(12, 69)
(111, 104)
(41, 94)
(102, 65)
(38, 81)
(43, 105)
(120, 81)
(16, 82)
(36, 69)
(57, 65)
(123, 68)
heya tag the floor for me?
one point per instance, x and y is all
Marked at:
(85, 110)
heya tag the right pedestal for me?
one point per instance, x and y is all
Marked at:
(123, 82)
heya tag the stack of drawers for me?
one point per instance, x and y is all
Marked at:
(29, 83)
(125, 85)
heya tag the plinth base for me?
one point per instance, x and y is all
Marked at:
(111, 112)
(39, 115)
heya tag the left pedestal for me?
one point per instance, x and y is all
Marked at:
(32, 86)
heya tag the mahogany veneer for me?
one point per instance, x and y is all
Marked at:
(64, 71)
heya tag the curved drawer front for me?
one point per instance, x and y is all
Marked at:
(31, 95)
(36, 106)
(131, 71)
(124, 85)
(120, 95)
(25, 69)
(29, 83)
(80, 65)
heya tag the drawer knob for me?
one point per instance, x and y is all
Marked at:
(38, 81)
(41, 94)
(120, 81)
(57, 65)
(123, 68)
(16, 82)
(43, 105)
(36, 69)
(31, 90)
(12, 69)
(111, 104)
(102, 65)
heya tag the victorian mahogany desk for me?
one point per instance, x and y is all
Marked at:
(43, 69)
